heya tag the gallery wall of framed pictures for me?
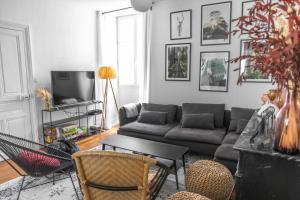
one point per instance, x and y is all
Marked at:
(214, 67)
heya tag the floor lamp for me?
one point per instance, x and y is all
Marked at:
(107, 73)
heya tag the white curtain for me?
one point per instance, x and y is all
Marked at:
(144, 90)
(107, 56)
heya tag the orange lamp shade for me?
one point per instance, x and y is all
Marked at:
(107, 72)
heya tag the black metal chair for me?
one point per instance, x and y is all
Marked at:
(36, 160)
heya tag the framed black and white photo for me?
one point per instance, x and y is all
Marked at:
(214, 71)
(246, 68)
(216, 23)
(178, 62)
(246, 6)
(181, 25)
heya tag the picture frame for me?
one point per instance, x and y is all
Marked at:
(220, 14)
(246, 5)
(181, 25)
(251, 76)
(214, 71)
(178, 62)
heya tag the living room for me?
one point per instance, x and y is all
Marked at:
(149, 99)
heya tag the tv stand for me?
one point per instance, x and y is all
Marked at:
(77, 116)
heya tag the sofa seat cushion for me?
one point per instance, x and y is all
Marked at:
(231, 138)
(196, 135)
(151, 129)
(226, 152)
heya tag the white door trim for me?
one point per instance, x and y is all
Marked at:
(30, 81)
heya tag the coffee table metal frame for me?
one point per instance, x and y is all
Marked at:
(109, 142)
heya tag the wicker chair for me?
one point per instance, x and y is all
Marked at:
(106, 175)
(36, 160)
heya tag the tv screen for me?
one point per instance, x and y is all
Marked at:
(71, 87)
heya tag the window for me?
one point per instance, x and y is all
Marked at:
(128, 36)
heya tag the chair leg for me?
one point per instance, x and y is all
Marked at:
(73, 185)
(53, 179)
(21, 187)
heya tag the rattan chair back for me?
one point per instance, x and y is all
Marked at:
(106, 175)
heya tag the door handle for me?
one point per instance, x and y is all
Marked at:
(24, 97)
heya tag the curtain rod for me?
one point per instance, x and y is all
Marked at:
(116, 10)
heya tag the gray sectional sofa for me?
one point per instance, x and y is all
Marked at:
(207, 129)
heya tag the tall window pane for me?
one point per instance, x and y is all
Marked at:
(126, 38)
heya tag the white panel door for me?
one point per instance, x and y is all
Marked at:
(16, 101)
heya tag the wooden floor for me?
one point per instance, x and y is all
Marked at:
(7, 173)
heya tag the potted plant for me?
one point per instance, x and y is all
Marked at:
(274, 32)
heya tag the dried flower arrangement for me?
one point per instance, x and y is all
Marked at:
(46, 96)
(274, 32)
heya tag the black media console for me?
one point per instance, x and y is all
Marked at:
(74, 113)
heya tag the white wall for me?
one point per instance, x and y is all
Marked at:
(161, 91)
(63, 33)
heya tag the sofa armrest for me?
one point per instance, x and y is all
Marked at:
(123, 119)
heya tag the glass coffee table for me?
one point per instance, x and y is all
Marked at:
(148, 147)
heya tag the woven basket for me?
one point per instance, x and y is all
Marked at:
(210, 179)
(187, 196)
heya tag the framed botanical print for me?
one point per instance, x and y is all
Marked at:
(246, 69)
(214, 71)
(216, 23)
(178, 62)
(181, 25)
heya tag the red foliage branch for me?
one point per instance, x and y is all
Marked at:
(274, 33)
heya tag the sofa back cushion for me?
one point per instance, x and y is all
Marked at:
(241, 125)
(169, 109)
(153, 117)
(196, 108)
(201, 121)
(239, 113)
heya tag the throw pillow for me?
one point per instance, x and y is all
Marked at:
(197, 108)
(239, 113)
(169, 109)
(153, 117)
(201, 121)
(241, 125)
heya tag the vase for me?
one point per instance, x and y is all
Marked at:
(286, 127)
(47, 105)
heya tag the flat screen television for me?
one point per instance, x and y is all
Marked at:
(71, 87)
